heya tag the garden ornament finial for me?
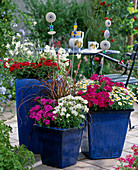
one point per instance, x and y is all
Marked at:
(51, 17)
(105, 45)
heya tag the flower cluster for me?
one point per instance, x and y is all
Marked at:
(26, 57)
(71, 111)
(103, 94)
(123, 98)
(41, 69)
(130, 161)
(43, 112)
(68, 112)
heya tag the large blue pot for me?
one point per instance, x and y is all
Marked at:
(105, 134)
(59, 147)
(26, 90)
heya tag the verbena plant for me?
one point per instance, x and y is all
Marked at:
(13, 157)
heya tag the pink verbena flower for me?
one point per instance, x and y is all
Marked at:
(37, 107)
(36, 98)
(43, 101)
(94, 77)
(80, 92)
(121, 159)
(48, 108)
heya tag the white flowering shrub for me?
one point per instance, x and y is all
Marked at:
(70, 111)
(60, 56)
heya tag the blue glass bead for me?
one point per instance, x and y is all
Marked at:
(51, 26)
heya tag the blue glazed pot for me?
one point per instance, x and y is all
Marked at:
(59, 147)
(26, 90)
(105, 134)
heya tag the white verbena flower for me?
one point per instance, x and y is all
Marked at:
(7, 65)
(8, 46)
(78, 56)
(82, 116)
(67, 115)
(29, 52)
(5, 59)
(34, 23)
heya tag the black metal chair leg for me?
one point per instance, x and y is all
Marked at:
(130, 127)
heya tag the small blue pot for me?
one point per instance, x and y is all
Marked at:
(59, 147)
(105, 134)
(26, 90)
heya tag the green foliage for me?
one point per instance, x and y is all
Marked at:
(7, 88)
(17, 158)
(66, 14)
(7, 22)
(93, 21)
(123, 24)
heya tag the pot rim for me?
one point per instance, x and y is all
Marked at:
(59, 129)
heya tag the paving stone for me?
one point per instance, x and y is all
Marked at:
(133, 132)
(127, 146)
(124, 153)
(84, 165)
(81, 156)
(102, 163)
(40, 166)
(133, 140)
(15, 143)
(13, 140)
(14, 136)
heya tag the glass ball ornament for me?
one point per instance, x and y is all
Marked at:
(106, 34)
(50, 17)
(105, 45)
(107, 23)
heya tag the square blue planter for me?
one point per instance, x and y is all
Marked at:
(105, 134)
(26, 90)
(59, 147)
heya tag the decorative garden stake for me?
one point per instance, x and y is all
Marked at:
(51, 17)
(75, 42)
(105, 45)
